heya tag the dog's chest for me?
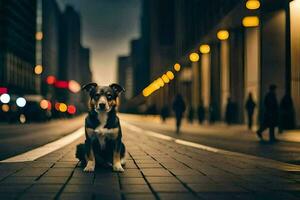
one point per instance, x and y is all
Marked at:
(102, 117)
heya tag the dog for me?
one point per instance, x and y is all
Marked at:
(103, 132)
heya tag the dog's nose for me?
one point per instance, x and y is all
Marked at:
(102, 106)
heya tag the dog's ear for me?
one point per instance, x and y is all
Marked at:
(89, 87)
(117, 88)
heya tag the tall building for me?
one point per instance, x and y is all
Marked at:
(17, 46)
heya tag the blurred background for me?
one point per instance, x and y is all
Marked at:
(211, 52)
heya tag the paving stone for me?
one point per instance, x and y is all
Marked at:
(169, 187)
(38, 196)
(19, 180)
(166, 179)
(44, 188)
(195, 179)
(108, 197)
(134, 181)
(215, 188)
(81, 180)
(183, 172)
(139, 197)
(59, 172)
(177, 196)
(149, 165)
(136, 189)
(156, 172)
(220, 195)
(31, 172)
(52, 180)
(13, 188)
(76, 196)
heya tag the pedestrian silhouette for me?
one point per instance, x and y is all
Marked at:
(191, 115)
(201, 112)
(250, 106)
(286, 114)
(270, 114)
(212, 114)
(229, 113)
(179, 108)
(164, 113)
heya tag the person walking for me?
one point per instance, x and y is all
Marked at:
(270, 115)
(229, 112)
(250, 106)
(164, 113)
(179, 108)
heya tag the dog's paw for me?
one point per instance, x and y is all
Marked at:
(123, 161)
(90, 167)
(118, 168)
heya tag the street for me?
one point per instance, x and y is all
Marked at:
(159, 166)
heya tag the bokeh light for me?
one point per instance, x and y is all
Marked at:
(71, 109)
(252, 4)
(44, 104)
(74, 86)
(194, 57)
(21, 102)
(205, 48)
(22, 118)
(223, 35)
(170, 75)
(50, 80)
(177, 67)
(38, 69)
(5, 98)
(5, 108)
(165, 78)
(250, 21)
(63, 107)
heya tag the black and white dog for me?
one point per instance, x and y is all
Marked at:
(103, 133)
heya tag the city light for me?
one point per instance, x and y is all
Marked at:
(22, 118)
(74, 86)
(61, 84)
(177, 67)
(170, 75)
(223, 35)
(3, 90)
(252, 4)
(38, 69)
(39, 36)
(63, 107)
(165, 78)
(5, 108)
(160, 82)
(250, 21)
(205, 48)
(21, 102)
(50, 80)
(71, 109)
(44, 104)
(194, 57)
(57, 106)
(5, 98)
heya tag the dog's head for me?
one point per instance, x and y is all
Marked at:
(103, 98)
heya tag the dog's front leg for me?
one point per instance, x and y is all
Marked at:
(90, 157)
(117, 167)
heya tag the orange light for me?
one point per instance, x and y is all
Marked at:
(63, 107)
(57, 106)
(177, 67)
(5, 108)
(205, 48)
(44, 104)
(74, 86)
(223, 35)
(71, 109)
(252, 4)
(51, 80)
(170, 75)
(38, 35)
(38, 69)
(250, 21)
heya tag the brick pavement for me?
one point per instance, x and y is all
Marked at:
(155, 169)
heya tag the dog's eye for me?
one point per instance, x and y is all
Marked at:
(109, 96)
(96, 96)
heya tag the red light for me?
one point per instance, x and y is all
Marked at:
(3, 90)
(57, 106)
(51, 80)
(71, 109)
(61, 84)
(49, 105)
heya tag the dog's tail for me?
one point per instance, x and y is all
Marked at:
(81, 153)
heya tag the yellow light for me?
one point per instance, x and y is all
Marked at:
(223, 35)
(63, 107)
(165, 78)
(74, 86)
(170, 75)
(38, 35)
(205, 48)
(194, 57)
(160, 82)
(177, 67)
(38, 69)
(252, 4)
(5, 108)
(250, 21)
(146, 92)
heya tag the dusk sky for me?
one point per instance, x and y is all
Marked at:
(107, 28)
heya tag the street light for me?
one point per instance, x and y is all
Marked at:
(5, 98)
(165, 78)
(194, 57)
(38, 69)
(5, 108)
(223, 35)
(250, 21)
(21, 102)
(39, 35)
(170, 75)
(204, 49)
(252, 4)
(177, 67)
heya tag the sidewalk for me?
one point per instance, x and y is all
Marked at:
(155, 169)
(195, 127)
